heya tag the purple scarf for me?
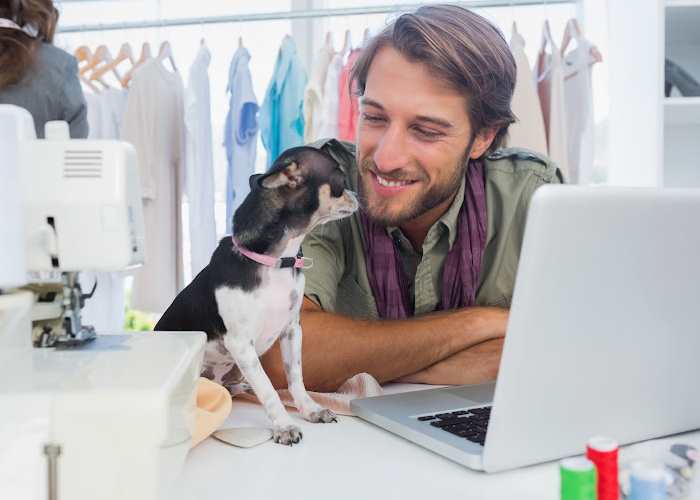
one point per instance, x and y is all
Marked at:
(460, 273)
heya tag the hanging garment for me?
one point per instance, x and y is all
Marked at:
(154, 124)
(199, 165)
(528, 131)
(348, 108)
(578, 89)
(241, 132)
(550, 88)
(328, 128)
(313, 95)
(105, 309)
(281, 115)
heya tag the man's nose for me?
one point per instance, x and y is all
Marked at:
(391, 153)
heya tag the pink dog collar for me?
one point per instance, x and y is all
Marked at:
(299, 261)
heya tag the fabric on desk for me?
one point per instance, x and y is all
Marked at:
(362, 385)
(213, 408)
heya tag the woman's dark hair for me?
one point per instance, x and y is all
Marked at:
(17, 48)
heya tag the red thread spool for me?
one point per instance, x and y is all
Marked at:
(603, 453)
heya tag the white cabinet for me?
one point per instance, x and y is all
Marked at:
(682, 114)
(654, 140)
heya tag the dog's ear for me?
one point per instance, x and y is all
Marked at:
(290, 176)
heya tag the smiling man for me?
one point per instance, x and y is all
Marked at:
(416, 285)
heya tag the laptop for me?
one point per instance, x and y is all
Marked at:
(603, 336)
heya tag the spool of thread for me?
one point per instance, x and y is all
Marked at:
(603, 453)
(578, 479)
(647, 483)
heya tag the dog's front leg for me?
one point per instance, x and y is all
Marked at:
(243, 351)
(290, 345)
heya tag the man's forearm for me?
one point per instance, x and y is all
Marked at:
(474, 365)
(337, 347)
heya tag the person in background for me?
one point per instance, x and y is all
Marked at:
(34, 74)
(416, 286)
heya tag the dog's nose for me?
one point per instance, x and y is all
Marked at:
(352, 198)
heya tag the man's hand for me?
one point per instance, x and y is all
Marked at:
(474, 365)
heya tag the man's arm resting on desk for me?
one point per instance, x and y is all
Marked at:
(474, 365)
(337, 347)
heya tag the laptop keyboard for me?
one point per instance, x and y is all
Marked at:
(469, 424)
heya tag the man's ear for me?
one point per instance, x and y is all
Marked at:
(482, 142)
(290, 176)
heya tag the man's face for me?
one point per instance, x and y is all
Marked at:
(413, 140)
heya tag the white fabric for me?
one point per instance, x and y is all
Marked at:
(105, 310)
(313, 94)
(578, 89)
(328, 126)
(550, 87)
(528, 132)
(199, 167)
(154, 124)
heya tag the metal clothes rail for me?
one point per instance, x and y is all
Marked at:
(300, 14)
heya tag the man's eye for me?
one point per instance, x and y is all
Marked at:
(372, 118)
(427, 134)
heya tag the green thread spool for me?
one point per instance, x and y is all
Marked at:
(578, 479)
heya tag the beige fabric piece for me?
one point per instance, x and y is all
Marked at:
(362, 385)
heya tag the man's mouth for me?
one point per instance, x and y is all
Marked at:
(392, 183)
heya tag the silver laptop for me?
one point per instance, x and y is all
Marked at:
(603, 336)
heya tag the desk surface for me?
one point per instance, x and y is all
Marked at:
(350, 459)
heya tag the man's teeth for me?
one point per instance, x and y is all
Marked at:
(388, 183)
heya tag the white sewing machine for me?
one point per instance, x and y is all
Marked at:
(81, 416)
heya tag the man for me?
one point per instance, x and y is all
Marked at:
(415, 286)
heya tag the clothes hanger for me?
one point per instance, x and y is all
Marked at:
(240, 42)
(125, 53)
(573, 32)
(329, 40)
(84, 55)
(347, 44)
(101, 55)
(365, 37)
(547, 40)
(144, 57)
(166, 52)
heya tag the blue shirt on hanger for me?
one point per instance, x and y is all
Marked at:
(281, 115)
(240, 134)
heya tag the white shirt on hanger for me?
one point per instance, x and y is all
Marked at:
(199, 165)
(105, 309)
(154, 124)
(528, 131)
(579, 112)
(550, 87)
(328, 128)
(313, 94)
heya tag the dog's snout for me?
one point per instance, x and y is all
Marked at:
(351, 199)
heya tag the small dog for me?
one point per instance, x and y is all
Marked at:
(250, 293)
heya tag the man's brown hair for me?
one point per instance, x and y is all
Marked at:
(17, 49)
(463, 49)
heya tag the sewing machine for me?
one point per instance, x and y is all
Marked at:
(83, 415)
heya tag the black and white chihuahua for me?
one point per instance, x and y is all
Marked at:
(250, 293)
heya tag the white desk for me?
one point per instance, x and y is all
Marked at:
(350, 459)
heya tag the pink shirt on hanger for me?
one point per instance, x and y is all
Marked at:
(348, 106)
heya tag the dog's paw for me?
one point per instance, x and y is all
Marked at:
(322, 416)
(288, 435)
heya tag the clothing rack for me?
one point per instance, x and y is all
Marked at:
(301, 14)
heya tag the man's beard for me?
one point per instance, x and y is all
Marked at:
(376, 207)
